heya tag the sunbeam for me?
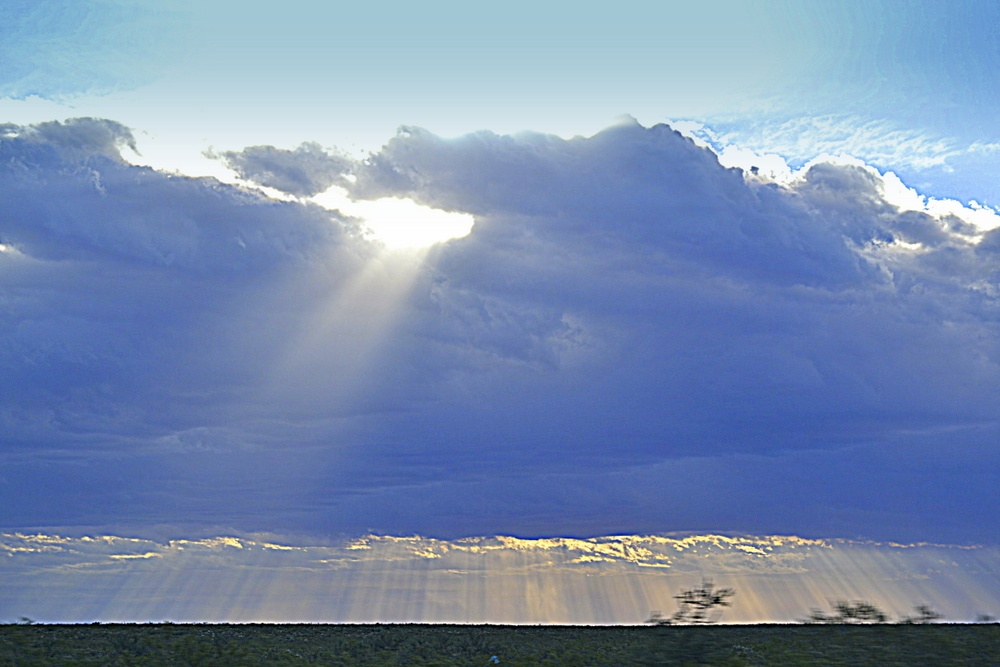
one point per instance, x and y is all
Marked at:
(479, 580)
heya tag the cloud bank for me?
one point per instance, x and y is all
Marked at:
(633, 338)
(604, 580)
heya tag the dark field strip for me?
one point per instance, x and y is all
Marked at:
(475, 645)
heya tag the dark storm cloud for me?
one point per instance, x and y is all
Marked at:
(653, 290)
(623, 298)
(632, 338)
(70, 194)
(117, 281)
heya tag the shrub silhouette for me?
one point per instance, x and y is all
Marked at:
(850, 613)
(696, 606)
(924, 615)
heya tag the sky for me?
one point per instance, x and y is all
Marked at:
(315, 272)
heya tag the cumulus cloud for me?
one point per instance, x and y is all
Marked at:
(649, 188)
(70, 194)
(626, 319)
(73, 141)
(305, 171)
(623, 297)
(640, 231)
(117, 281)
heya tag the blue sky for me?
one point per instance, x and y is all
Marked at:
(234, 74)
(783, 320)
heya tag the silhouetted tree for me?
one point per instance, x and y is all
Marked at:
(697, 606)
(856, 612)
(924, 615)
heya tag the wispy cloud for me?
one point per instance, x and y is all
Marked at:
(877, 141)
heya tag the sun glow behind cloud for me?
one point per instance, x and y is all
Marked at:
(400, 223)
(343, 334)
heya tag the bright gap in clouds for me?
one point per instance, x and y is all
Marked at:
(401, 224)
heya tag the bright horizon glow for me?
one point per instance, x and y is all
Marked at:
(613, 580)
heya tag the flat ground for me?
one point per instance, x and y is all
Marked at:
(475, 645)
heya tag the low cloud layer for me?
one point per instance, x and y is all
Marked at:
(632, 339)
(607, 580)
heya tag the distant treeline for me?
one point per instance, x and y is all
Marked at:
(704, 604)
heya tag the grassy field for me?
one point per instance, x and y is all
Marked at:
(476, 645)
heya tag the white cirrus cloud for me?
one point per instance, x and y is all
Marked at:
(801, 138)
